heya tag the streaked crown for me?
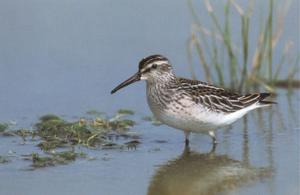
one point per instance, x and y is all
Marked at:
(152, 59)
(154, 62)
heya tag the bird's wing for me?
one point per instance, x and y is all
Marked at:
(219, 99)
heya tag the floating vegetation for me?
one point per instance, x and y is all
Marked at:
(53, 159)
(3, 127)
(54, 133)
(132, 144)
(112, 145)
(4, 159)
(58, 138)
(153, 120)
(52, 144)
(57, 132)
(126, 112)
(95, 113)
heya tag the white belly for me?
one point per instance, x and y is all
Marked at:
(187, 122)
(194, 117)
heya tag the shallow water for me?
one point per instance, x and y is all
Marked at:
(64, 58)
(258, 155)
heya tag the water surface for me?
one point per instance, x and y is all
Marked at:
(64, 57)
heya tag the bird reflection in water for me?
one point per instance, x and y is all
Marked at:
(204, 173)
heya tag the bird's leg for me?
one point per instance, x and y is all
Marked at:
(187, 135)
(213, 149)
(186, 151)
(213, 136)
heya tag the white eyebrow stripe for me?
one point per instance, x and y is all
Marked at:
(158, 62)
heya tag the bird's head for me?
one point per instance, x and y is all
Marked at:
(154, 68)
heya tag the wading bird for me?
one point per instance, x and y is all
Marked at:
(190, 105)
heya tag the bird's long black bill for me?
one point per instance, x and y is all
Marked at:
(134, 78)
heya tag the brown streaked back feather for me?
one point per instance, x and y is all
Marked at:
(219, 99)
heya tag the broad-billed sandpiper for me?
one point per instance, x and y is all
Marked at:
(190, 105)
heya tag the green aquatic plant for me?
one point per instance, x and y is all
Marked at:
(51, 144)
(54, 159)
(95, 113)
(3, 127)
(153, 120)
(132, 144)
(54, 134)
(227, 56)
(4, 159)
(57, 132)
(125, 112)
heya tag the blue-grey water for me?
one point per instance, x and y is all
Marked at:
(64, 57)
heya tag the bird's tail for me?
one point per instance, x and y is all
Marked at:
(263, 102)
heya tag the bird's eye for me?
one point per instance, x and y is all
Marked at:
(154, 66)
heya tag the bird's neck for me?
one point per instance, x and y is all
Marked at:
(163, 80)
(159, 92)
